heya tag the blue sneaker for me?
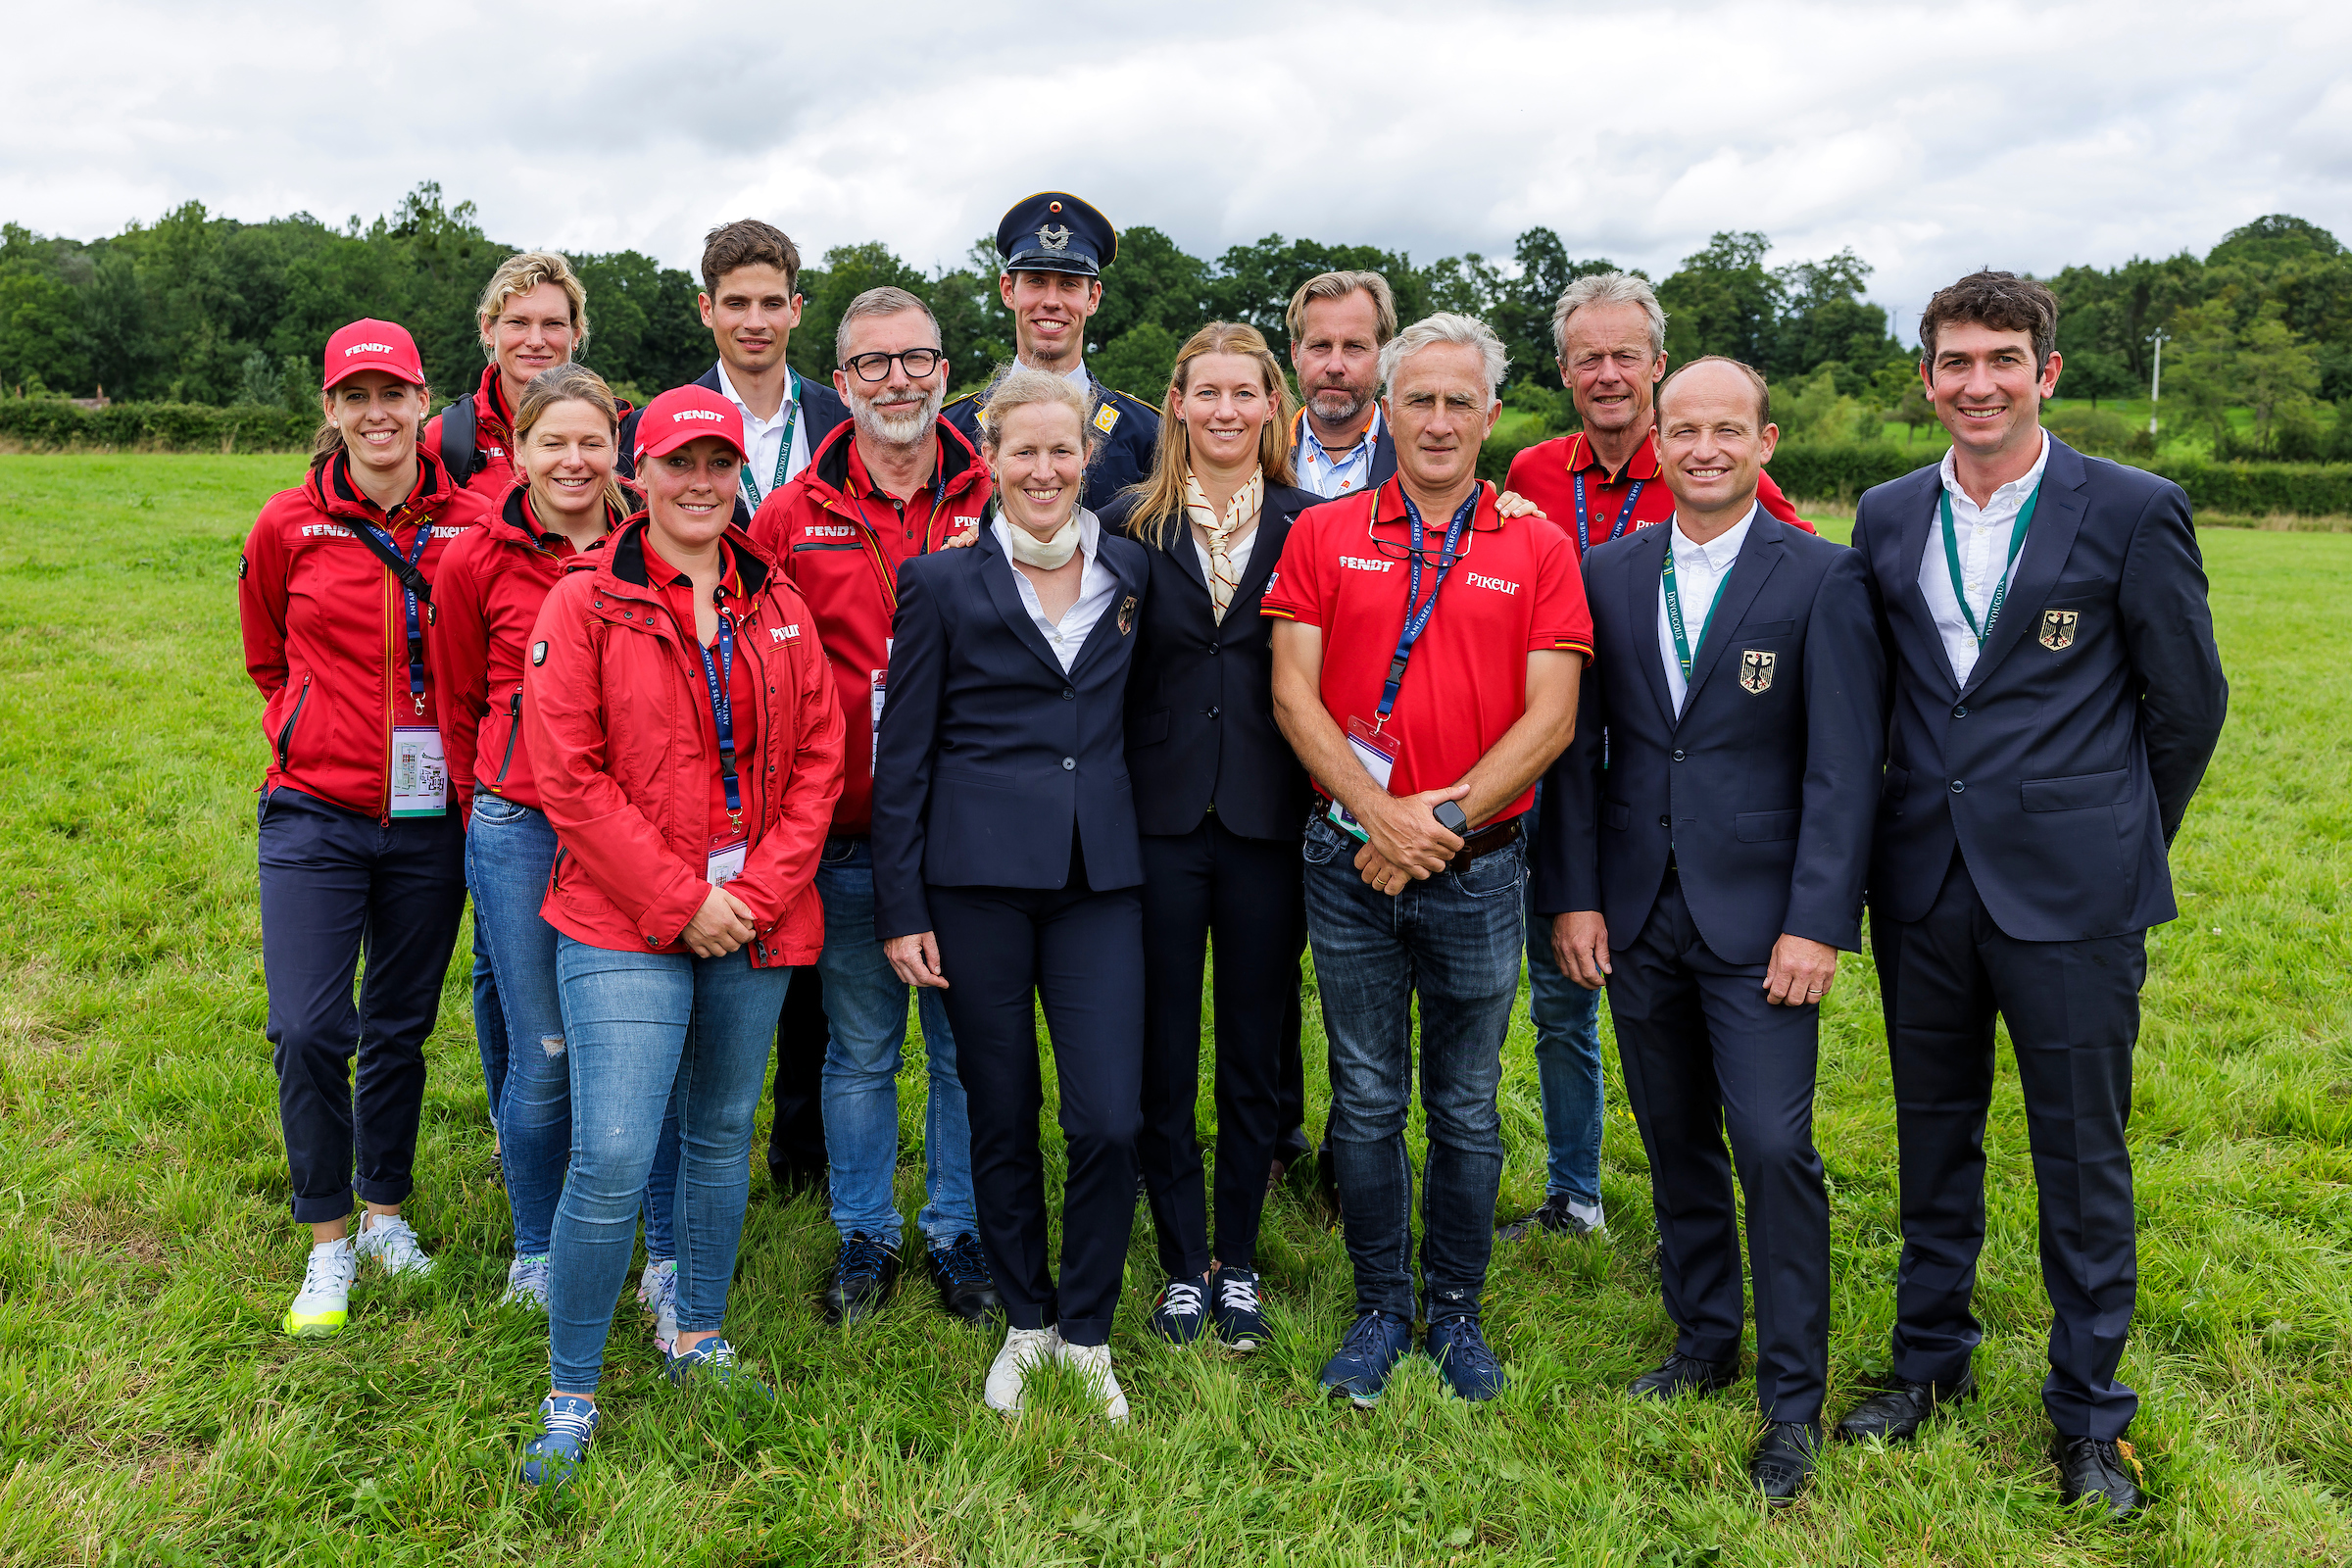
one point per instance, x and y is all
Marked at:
(713, 1363)
(565, 1424)
(1465, 1358)
(1369, 1352)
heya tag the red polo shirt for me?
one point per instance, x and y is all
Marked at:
(743, 684)
(1515, 590)
(1546, 473)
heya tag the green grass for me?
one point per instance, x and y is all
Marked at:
(151, 1414)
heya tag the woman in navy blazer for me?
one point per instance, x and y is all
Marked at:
(1220, 799)
(1007, 866)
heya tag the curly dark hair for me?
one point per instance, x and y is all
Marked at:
(2002, 301)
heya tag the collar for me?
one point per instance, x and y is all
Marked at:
(1307, 433)
(632, 560)
(1090, 535)
(792, 395)
(491, 407)
(1643, 465)
(520, 520)
(1081, 376)
(332, 491)
(2015, 491)
(1719, 552)
(1485, 519)
(858, 480)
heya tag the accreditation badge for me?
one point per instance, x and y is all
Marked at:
(419, 773)
(726, 863)
(878, 681)
(1378, 752)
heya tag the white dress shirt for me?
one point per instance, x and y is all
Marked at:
(1982, 536)
(1077, 376)
(1096, 585)
(1698, 573)
(763, 437)
(1331, 476)
(1238, 553)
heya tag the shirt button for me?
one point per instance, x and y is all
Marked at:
(1067, 695)
(1213, 711)
(1960, 712)
(1678, 755)
(1665, 821)
(1069, 765)
(1212, 648)
(1957, 786)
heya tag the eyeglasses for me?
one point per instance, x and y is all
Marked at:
(919, 363)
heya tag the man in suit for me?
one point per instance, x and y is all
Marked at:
(2056, 697)
(1709, 876)
(1055, 248)
(1339, 324)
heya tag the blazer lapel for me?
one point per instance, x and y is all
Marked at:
(2057, 517)
(1107, 629)
(1758, 554)
(1920, 522)
(1180, 549)
(1642, 567)
(1264, 550)
(995, 574)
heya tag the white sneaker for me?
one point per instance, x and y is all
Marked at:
(387, 1238)
(527, 1283)
(325, 1304)
(1023, 1349)
(1093, 1362)
(658, 1293)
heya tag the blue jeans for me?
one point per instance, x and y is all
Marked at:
(865, 1017)
(639, 1026)
(1567, 1020)
(1453, 941)
(509, 851)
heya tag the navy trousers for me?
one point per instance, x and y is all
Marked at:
(1081, 954)
(2072, 1011)
(796, 1139)
(336, 886)
(1704, 1055)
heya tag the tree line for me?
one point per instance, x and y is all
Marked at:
(201, 309)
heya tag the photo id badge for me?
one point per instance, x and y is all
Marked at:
(727, 865)
(420, 775)
(1378, 753)
(880, 679)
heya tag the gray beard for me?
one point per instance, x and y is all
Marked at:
(901, 431)
(1324, 412)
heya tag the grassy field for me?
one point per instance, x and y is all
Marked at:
(150, 1412)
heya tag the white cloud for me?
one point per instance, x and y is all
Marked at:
(1930, 139)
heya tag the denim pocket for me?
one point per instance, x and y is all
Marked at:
(1322, 841)
(489, 807)
(1495, 874)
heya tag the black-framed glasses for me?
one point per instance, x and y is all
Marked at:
(919, 363)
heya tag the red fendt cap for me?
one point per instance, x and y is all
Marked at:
(684, 414)
(374, 345)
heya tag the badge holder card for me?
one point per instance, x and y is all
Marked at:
(419, 773)
(1378, 753)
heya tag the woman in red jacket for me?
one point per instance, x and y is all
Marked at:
(688, 751)
(359, 850)
(485, 599)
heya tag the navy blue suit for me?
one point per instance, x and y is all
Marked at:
(1123, 453)
(1704, 839)
(1220, 796)
(1004, 822)
(2021, 858)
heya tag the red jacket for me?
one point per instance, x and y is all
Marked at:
(840, 541)
(325, 628)
(486, 599)
(493, 437)
(613, 706)
(1546, 474)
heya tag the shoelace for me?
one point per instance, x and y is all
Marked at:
(861, 1258)
(1240, 1291)
(532, 1275)
(324, 1270)
(1182, 1298)
(1468, 1348)
(575, 1419)
(1369, 1334)
(393, 1242)
(711, 1352)
(963, 1263)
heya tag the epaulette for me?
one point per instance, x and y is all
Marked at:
(1152, 409)
(966, 398)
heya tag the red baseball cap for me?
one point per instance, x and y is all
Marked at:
(686, 413)
(374, 345)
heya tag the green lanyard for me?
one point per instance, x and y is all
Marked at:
(751, 485)
(1682, 646)
(2001, 590)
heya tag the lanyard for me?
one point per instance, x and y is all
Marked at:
(720, 677)
(1624, 519)
(1419, 609)
(424, 534)
(1682, 646)
(2001, 590)
(792, 419)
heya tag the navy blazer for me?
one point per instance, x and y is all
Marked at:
(989, 756)
(1201, 726)
(2062, 768)
(1771, 774)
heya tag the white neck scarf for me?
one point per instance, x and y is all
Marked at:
(1046, 555)
(1240, 513)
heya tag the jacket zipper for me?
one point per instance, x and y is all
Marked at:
(514, 728)
(285, 731)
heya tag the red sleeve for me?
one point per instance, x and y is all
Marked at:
(261, 604)
(460, 651)
(564, 715)
(1294, 588)
(1769, 496)
(783, 863)
(768, 527)
(1563, 620)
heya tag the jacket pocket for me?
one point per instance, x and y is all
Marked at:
(1152, 731)
(1898, 779)
(1766, 628)
(2083, 792)
(949, 772)
(514, 728)
(1763, 827)
(285, 731)
(1616, 815)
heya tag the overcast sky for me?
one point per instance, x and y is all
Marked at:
(1930, 138)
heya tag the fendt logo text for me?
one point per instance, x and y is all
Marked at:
(367, 348)
(1365, 563)
(711, 414)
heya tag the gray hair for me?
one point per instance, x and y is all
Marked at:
(1017, 385)
(1608, 288)
(1447, 327)
(885, 301)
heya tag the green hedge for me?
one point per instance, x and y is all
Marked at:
(2257, 489)
(53, 424)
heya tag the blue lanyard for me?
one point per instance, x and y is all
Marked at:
(424, 536)
(1419, 609)
(1584, 521)
(719, 676)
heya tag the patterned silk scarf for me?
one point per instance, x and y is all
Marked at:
(1241, 513)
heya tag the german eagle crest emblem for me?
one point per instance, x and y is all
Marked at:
(2058, 628)
(1127, 616)
(1755, 669)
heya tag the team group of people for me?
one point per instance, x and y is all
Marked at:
(745, 716)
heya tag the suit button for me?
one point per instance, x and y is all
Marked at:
(1068, 694)
(1212, 648)
(1665, 821)
(1212, 713)
(1678, 755)
(1069, 765)
(1957, 786)
(1959, 712)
